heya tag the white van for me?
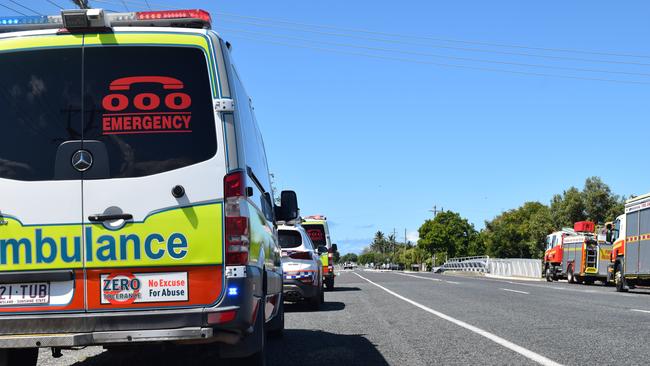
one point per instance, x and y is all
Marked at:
(135, 199)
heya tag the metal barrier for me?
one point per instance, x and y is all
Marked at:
(467, 264)
(515, 267)
(511, 267)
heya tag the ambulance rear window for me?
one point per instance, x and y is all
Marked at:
(150, 106)
(40, 100)
(316, 233)
(289, 238)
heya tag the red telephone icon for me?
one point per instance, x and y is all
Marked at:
(146, 101)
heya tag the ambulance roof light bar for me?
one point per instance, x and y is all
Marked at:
(85, 19)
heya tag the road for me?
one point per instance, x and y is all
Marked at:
(391, 318)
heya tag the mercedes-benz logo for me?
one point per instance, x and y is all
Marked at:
(82, 160)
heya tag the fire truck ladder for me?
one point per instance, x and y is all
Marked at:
(592, 257)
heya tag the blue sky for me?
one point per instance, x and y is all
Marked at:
(374, 142)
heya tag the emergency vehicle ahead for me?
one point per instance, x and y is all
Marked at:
(577, 255)
(301, 266)
(630, 233)
(318, 230)
(135, 199)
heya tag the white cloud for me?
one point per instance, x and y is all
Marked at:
(412, 236)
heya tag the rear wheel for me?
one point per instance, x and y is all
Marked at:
(322, 295)
(19, 357)
(258, 358)
(570, 276)
(275, 327)
(315, 301)
(329, 283)
(619, 279)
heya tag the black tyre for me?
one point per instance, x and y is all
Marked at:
(258, 358)
(322, 295)
(275, 327)
(329, 284)
(619, 279)
(315, 301)
(549, 274)
(19, 357)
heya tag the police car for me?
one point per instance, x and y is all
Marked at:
(135, 199)
(302, 267)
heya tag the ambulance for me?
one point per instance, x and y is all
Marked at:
(630, 235)
(318, 230)
(576, 254)
(135, 199)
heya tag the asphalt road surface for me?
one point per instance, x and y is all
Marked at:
(390, 318)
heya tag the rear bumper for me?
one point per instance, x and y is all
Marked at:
(296, 291)
(69, 330)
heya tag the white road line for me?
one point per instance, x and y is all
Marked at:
(519, 292)
(454, 282)
(493, 337)
(424, 278)
(641, 311)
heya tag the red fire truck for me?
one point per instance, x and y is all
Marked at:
(576, 255)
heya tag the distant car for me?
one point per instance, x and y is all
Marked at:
(348, 265)
(302, 267)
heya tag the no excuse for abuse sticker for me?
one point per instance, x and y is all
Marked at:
(129, 288)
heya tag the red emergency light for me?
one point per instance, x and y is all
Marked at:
(584, 226)
(174, 14)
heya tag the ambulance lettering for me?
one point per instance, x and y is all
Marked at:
(147, 112)
(103, 248)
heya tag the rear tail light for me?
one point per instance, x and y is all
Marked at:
(237, 219)
(300, 255)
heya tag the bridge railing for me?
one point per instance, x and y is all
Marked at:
(510, 267)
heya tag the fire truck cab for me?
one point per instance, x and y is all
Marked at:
(576, 255)
(630, 235)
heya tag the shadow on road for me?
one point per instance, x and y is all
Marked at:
(301, 307)
(313, 347)
(298, 347)
(341, 289)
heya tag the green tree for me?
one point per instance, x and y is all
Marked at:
(379, 244)
(447, 232)
(349, 257)
(601, 204)
(518, 233)
(568, 208)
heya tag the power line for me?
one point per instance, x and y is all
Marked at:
(400, 59)
(55, 4)
(439, 55)
(25, 7)
(468, 49)
(398, 35)
(357, 30)
(12, 9)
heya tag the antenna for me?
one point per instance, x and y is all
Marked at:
(82, 4)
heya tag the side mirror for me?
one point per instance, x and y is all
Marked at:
(322, 249)
(335, 248)
(288, 209)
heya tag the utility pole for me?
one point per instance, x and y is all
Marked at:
(394, 244)
(436, 211)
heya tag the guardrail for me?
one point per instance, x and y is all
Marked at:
(467, 264)
(510, 267)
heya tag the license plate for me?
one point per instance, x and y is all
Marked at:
(35, 293)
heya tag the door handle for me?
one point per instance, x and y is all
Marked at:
(100, 218)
